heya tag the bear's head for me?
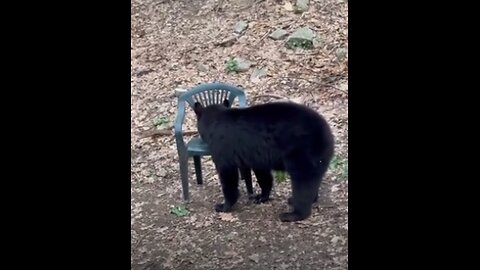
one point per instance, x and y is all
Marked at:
(200, 110)
(207, 116)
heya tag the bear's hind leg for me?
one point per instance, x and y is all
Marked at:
(303, 190)
(306, 176)
(290, 200)
(265, 181)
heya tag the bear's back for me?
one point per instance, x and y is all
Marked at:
(287, 124)
(260, 135)
(285, 116)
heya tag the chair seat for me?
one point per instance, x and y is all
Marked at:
(196, 146)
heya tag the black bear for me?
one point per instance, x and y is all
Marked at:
(274, 136)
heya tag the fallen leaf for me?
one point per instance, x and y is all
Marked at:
(254, 257)
(344, 87)
(192, 219)
(230, 253)
(288, 6)
(162, 230)
(299, 100)
(335, 239)
(227, 217)
(208, 223)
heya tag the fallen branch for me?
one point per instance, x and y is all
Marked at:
(250, 5)
(226, 42)
(262, 38)
(218, 6)
(138, 242)
(155, 133)
(165, 132)
(315, 82)
(268, 95)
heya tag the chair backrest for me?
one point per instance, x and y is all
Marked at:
(207, 94)
(213, 93)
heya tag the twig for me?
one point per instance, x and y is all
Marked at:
(155, 133)
(307, 53)
(148, 265)
(247, 6)
(218, 6)
(226, 42)
(263, 37)
(315, 82)
(164, 132)
(188, 50)
(268, 95)
(190, 132)
(138, 242)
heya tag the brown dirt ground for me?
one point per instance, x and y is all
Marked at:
(174, 45)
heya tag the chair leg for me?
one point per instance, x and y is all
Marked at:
(198, 169)
(183, 158)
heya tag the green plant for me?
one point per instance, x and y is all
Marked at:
(280, 176)
(340, 166)
(345, 169)
(231, 65)
(299, 43)
(179, 211)
(160, 121)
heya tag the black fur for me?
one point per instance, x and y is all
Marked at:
(274, 136)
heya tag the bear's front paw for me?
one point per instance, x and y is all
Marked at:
(222, 207)
(291, 217)
(258, 199)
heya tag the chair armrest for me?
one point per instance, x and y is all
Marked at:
(178, 124)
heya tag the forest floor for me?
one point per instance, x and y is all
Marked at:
(182, 43)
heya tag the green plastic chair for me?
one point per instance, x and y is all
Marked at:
(206, 94)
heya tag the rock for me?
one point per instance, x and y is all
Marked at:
(231, 236)
(162, 172)
(240, 27)
(341, 53)
(242, 64)
(301, 6)
(301, 38)
(257, 74)
(202, 68)
(318, 42)
(278, 34)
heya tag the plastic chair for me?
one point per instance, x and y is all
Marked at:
(206, 94)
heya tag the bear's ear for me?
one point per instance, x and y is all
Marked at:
(226, 103)
(197, 108)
